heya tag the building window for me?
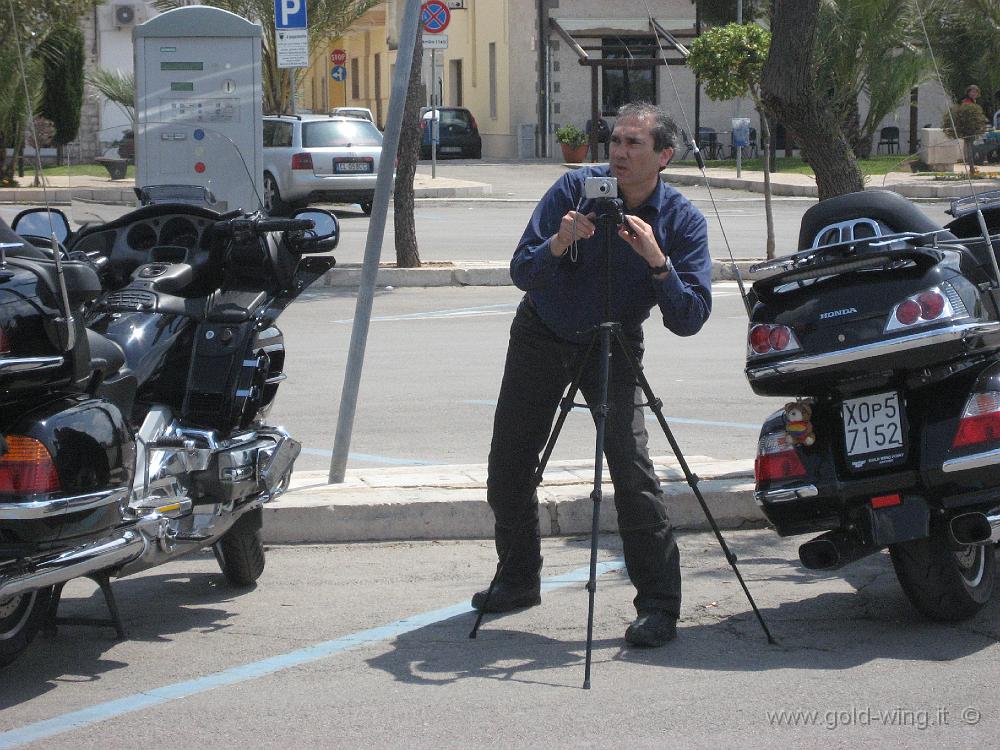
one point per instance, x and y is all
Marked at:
(456, 82)
(493, 80)
(355, 79)
(622, 85)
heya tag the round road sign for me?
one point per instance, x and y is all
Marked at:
(338, 57)
(338, 73)
(435, 16)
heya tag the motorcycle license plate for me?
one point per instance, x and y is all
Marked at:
(873, 430)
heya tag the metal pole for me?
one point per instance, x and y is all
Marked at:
(435, 133)
(739, 150)
(373, 247)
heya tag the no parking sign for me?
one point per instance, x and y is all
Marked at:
(435, 16)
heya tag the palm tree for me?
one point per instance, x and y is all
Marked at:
(116, 87)
(872, 49)
(14, 106)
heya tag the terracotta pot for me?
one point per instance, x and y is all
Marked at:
(575, 155)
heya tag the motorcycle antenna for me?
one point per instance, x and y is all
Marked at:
(691, 143)
(67, 323)
(968, 173)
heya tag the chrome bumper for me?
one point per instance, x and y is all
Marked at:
(29, 364)
(975, 461)
(876, 349)
(786, 494)
(62, 505)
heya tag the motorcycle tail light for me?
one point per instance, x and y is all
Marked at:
(302, 161)
(776, 459)
(936, 303)
(767, 338)
(980, 421)
(27, 468)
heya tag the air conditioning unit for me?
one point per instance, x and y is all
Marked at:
(125, 14)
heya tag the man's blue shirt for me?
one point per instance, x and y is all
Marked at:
(568, 294)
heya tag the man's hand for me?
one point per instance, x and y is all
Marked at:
(639, 235)
(574, 226)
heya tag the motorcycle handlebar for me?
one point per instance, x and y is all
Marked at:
(259, 225)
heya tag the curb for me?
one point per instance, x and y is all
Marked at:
(348, 275)
(394, 506)
(62, 196)
(956, 189)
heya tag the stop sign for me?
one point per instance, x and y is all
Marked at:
(338, 57)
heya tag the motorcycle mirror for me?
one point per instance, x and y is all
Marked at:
(322, 238)
(42, 222)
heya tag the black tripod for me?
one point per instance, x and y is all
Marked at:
(610, 216)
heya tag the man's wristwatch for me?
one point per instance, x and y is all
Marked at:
(665, 268)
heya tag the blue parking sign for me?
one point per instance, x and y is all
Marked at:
(290, 14)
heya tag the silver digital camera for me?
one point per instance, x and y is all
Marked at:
(600, 187)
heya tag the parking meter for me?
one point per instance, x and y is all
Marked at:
(198, 100)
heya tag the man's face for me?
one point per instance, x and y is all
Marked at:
(634, 161)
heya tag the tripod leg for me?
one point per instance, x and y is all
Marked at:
(565, 407)
(489, 592)
(600, 420)
(657, 406)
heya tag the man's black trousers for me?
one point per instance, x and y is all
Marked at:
(538, 369)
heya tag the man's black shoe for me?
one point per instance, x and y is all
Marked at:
(506, 597)
(651, 628)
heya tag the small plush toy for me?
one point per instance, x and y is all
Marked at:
(797, 425)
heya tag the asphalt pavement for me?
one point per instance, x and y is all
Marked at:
(367, 646)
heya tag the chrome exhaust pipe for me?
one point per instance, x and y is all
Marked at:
(971, 528)
(833, 550)
(994, 520)
(80, 561)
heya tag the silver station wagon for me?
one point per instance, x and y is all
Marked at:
(319, 159)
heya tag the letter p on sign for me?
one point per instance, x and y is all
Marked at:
(290, 14)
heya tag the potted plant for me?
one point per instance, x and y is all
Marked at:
(574, 143)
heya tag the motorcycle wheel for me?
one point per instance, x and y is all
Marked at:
(943, 583)
(21, 618)
(240, 552)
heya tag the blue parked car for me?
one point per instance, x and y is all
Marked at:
(458, 134)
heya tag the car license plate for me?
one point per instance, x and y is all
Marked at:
(352, 166)
(872, 424)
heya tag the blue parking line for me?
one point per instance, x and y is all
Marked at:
(651, 417)
(86, 717)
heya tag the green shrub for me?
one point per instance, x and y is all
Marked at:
(571, 135)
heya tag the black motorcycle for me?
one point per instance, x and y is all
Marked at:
(138, 361)
(885, 330)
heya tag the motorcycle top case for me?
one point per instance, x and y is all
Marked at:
(851, 319)
(30, 355)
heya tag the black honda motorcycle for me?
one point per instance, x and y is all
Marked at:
(884, 330)
(139, 358)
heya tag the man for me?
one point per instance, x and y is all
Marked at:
(659, 257)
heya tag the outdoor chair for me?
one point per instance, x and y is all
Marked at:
(888, 137)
